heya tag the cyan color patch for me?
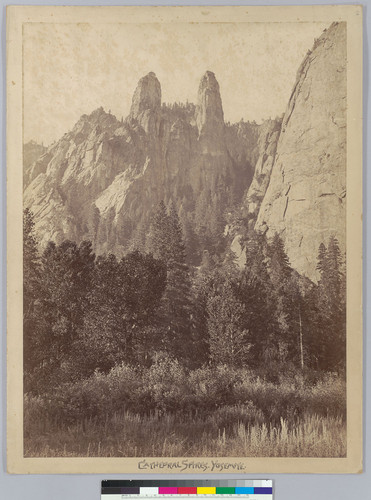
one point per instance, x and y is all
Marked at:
(244, 491)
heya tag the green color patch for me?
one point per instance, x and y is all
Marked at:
(225, 491)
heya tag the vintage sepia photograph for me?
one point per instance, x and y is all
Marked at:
(185, 249)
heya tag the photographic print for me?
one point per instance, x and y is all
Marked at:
(184, 228)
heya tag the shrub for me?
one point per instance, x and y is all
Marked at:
(165, 383)
(96, 396)
(328, 396)
(214, 386)
(226, 417)
(220, 395)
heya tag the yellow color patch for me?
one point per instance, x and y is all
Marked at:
(206, 491)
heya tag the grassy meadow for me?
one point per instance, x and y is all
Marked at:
(165, 412)
(130, 435)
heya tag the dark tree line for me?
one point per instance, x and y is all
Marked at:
(83, 313)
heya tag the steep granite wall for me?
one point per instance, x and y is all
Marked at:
(267, 145)
(305, 199)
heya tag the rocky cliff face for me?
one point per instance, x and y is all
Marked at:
(147, 96)
(263, 150)
(266, 152)
(210, 116)
(103, 179)
(31, 152)
(305, 199)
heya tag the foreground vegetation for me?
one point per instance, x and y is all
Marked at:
(166, 411)
(129, 435)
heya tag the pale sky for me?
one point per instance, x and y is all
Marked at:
(72, 69)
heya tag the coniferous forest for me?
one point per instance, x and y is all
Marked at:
(173, 350)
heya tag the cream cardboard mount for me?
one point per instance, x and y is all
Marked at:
(79, 47)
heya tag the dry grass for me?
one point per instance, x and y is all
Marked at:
(128, 435)
(165, 412)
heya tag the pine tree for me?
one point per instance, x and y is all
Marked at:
(158, 242)
(177, 251)
(31, 265)
(332, 307)
(228, 339)
(139, 236)
(123, 306)
(321, 259)
(110, 224)
(177, 298)
(145, 284)
(210, 221)
(216, 224)
(93, 223)
(333, 274)
(203, 282)
(280, 270)
(165, 242)
(32, 319)
(255, 293)
(200, 219)
(287, 303)
(191, 242)
(124, 230)
(67, 273)
(313, 338)
(100, 342)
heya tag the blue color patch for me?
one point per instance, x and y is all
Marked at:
(244, 491)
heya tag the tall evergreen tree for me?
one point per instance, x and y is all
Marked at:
(216, 223)
(321, 259)
(158, 238)
(165, 241)
(312, 334)
(93, 223)
(255, 293)
(123, 305)
(287, 302)
(332, 307)
(124, 230)
(67, 273)
(32, 319)
(139, 237)
(31, 266)
(177, 298)
(191, 242)
(228, 339)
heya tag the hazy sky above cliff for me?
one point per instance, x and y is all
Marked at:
(72, 69)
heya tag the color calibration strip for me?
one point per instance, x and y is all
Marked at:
(258, 489)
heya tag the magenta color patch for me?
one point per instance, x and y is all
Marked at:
(168, 491)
